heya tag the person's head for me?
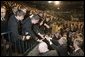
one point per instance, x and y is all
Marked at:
(41, 14)
(14, 9)
(62, 41)
(43, 47)
(3, 11)
(35, 19)
(24, 9)
(77, 42)
(20, 15)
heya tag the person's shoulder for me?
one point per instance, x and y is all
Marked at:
(28, 18)
(12, 17)
(80, 51)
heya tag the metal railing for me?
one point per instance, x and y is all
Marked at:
(21, 49)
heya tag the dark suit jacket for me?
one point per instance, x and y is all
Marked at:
(78, 53)
(61, 49)
(28, 27)
(13, 27)
(54, 41)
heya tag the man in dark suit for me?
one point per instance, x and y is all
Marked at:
(77, 48)
(60, 45)
(78, 52)
(31, 27)
(15, 25)
(21, 27)
(28, 25)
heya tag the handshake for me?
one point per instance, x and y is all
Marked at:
(49, 39)
(26, 37)
(23, 38)
(45, 37)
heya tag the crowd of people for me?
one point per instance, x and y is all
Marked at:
(67, 41)
(24, 25)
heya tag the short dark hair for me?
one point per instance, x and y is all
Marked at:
(35, 16)
(19, 13)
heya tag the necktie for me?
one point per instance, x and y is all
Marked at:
(20, 28)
